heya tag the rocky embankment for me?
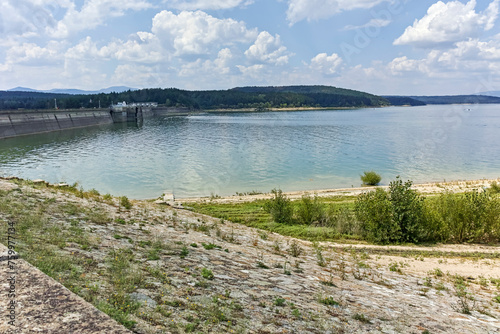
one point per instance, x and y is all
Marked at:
(157, 269)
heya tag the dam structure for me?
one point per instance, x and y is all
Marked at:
(20, 122)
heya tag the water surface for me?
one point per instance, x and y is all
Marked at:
(224, 153)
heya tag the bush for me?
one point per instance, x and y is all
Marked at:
(394, 216)
(470, 217)
(370, 178)
(494, 187)
(310, 210)
(374, 210)
(279, 207)
(408, 210)
(124, 201)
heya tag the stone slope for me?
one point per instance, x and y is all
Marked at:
(193, 273)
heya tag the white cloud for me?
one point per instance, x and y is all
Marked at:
(448, 23)
(32, 54)
(94, 13)
(219, 66)
(197, 33)
(376, 23)
(326, 65)
(206, 4)
(60, 18)
(25, 18)
(299, 10)
(267, 49)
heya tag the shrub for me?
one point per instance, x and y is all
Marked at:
(470, 217)
(124, 201)
(370, 178)
(374, 210)
(279, 207)
(394, 216)
(407, 210)
(494, 187)
(310, 210)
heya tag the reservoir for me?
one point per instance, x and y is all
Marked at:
(223, 153)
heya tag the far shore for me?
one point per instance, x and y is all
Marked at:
(423, 188)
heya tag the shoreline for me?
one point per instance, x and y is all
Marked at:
(423, 188)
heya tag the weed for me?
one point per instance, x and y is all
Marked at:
(361, 317)
(210, 246)
(328, 301)
(184, 252)
(124, 201)
(466, 301)
(207, 274)
(428, 282)
(296, 313)
(260, 264)
(295, 250)
(279, 301)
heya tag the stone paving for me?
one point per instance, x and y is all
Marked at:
(261, 282)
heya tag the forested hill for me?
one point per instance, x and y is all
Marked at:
(259, 98)
(322, 94)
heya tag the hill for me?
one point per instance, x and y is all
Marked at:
(323, 95)
(403, 101)
(259, 98)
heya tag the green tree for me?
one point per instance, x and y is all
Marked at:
(279, 207)
(370, 178)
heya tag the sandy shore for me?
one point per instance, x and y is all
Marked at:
(423, 188)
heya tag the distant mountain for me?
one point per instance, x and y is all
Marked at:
(21, 89)
(116, 89)
(490, 93)
(457, 99)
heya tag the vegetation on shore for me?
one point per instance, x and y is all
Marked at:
(399, 215)
(258, 98)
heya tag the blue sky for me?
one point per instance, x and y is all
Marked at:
(410, 47)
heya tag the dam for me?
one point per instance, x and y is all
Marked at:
(19, 123)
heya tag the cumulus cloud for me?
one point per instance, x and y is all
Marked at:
(206, 4)
(267, 49)
(448, 23)
(327, 65)
(299, 10)
(32, 54)
(94, 13)
(197, 33)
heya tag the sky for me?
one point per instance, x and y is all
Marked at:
(385, 47)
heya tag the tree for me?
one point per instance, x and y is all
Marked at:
(279, 207)
(370, 178)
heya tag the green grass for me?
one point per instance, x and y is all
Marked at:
(252, 214)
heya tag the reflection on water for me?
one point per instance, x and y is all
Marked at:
(224, 153)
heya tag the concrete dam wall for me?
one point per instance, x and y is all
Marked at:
(18, 123)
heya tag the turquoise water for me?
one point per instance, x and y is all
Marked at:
(219, 153)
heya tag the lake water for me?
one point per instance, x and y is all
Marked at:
(224, 153)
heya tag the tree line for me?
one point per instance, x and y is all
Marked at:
(237, 98)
